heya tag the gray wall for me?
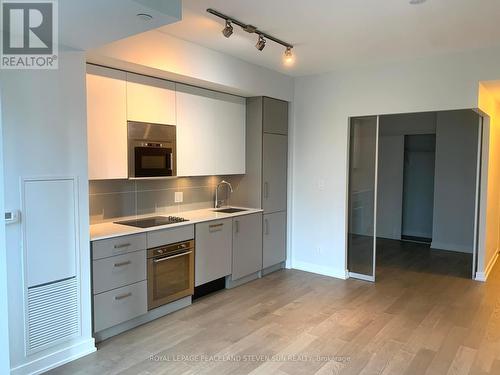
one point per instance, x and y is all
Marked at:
(393, 128)
(418, 185)
(455, 175)
(455, 180)
(112, 199)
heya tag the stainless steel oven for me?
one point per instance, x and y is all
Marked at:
(151, 150)
(170, 273)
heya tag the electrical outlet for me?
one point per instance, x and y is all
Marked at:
(178, 197)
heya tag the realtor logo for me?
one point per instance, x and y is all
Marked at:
(29, 34)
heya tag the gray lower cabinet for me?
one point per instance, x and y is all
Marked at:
(247, 245)
(114, 272)
(213, 250)
(118, 246)
(119, 305)
(119, 280)
(274, 239)
(274, 172)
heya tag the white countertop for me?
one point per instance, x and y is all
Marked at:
(103, 231)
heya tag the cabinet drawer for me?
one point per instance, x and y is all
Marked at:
(120, 305)
(168, 236)
(117, 246)
(114, 272)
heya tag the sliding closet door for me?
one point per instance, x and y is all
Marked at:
(363, 151)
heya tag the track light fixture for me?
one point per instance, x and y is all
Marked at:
(288, 57)
(261, 43)
(263, 37)
(228, 29)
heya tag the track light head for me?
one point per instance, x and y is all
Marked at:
(261, 43)
(228, 29)
(288, 56)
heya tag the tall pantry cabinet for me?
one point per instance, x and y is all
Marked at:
(265, 182)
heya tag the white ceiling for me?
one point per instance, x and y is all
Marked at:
(92, 23)
(332, 34)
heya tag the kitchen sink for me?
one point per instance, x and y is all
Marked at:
(230, 210)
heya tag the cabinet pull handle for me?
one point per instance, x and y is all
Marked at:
(266, 222)
(121, 246)
(121, 264)
(266, 190)
(171, 257)
(122, 296)
(237, 225)
(215, 227)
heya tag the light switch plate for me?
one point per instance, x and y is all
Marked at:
(178, 197)
(12, 216)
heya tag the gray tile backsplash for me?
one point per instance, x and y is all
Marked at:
(112, 199)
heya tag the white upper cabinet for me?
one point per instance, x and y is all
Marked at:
(106, 123)
(195, 131)
(210, 132)
(230, 135)
(150, 100)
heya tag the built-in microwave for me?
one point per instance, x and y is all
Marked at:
(151, 150)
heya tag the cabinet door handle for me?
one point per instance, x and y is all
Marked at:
(237, 226)
(266, 231)
(159, 260)
(121, 264)
(266, 189)
(215, 227)
(121, 246)
(122, 296)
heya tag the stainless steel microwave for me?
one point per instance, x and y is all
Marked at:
(151, 150)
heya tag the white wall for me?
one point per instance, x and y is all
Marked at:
(4, 323)
(165, 56)
(322, 106)
(44, 135)
(455, 180)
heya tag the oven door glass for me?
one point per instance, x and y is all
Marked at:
(153, 162)
(170, 278)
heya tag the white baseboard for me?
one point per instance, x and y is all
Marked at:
(450, 247)
(483, 276)
(56, 359)
(320, 270)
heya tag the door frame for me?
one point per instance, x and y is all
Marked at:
(480, 196)
(375, 187)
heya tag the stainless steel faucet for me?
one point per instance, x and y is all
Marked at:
(218, 203)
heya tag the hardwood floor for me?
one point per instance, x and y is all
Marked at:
(410, 322)
(395, 256)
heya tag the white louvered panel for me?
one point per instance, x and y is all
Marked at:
(53, 314)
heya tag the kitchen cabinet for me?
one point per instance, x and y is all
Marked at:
(150, 100)
(210, 132)
(119, 305)
(195, 132)
(247, 245)
(265, 181)
(119, 280)
(274, 239)
(229, 135)
(106, 123)
(213, 258)
(274, 172)
(275, 116)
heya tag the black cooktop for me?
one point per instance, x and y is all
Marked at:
(152, 221)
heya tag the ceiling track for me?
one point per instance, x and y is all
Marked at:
(249, 28)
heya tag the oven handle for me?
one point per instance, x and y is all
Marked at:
(171, 257)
